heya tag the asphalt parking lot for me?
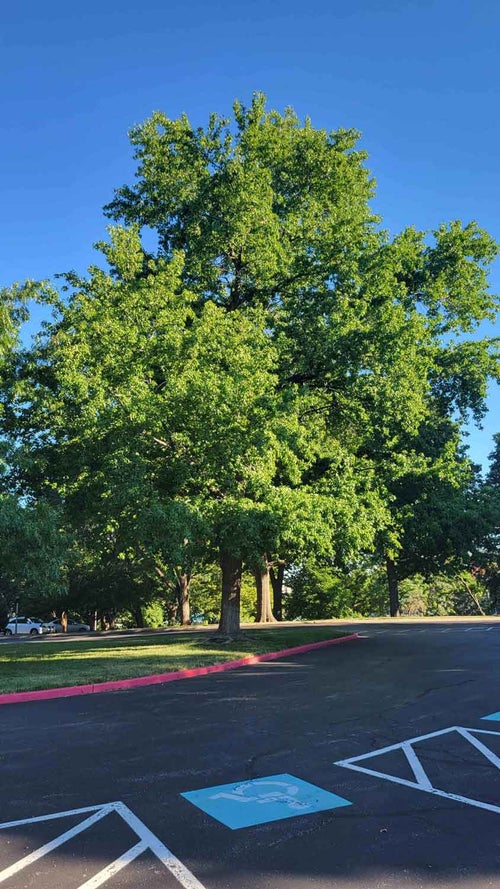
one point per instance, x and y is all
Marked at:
(368, 765)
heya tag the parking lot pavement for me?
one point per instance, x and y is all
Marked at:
(365, 766)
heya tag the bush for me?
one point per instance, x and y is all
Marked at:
(443, 594)
(319, 592)
(153, 615)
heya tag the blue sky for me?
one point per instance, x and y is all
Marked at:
(420, 79)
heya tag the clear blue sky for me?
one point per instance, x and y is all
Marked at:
(420, 79)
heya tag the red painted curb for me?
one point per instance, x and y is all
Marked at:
(19, 697)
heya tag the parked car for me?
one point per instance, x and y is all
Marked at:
(25, 626)
(55, 626)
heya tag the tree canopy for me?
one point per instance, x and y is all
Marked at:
(277, 380)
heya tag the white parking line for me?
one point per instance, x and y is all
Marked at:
(476, 629)
(147, 841)
(422, 781)
(116, 866)
(7, 824)
(176, 867)
(54, 844)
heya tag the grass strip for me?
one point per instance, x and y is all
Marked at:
(28, 666)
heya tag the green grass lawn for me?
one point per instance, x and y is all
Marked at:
(25, 666)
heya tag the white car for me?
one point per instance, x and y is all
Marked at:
(24, 626)
(55, 626)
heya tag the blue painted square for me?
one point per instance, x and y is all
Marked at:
(495, 717)
(260, 800)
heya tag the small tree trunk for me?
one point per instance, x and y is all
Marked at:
(183, 596)
(137, 615)
(392, 581)
(231, 568)
(473, 597)
(172, 608)
(262, 582)
(277, 578)
(64, 621)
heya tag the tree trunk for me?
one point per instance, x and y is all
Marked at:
(277, 578)
(64, 621)
(183, 596)
(172, 609)
(473, 597)
(262, 582)
(392, 581)
(137, 615)
(231, 568)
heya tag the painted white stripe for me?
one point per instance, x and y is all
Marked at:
(411, 741)
(397, 746)
(416, 766)
(422, 782)
(453, 796)
(176, 867)
(495, 760)
(116, 866)
(482, 731)
(54, 815)
(147, 841)
(54, 844)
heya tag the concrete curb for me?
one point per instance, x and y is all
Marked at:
(20, 697)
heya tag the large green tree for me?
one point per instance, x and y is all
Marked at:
(271, 212)
(164, 431)
(260, 384)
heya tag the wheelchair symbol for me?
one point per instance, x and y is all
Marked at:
(251, 792)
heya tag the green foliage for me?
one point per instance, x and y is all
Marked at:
(278, 377)
(205, 595)
(153, 615)
(487, 549)
(174, 435)
(12, 313)
(259, 204)
(442, 594)
(32, 556)
(493, 475)
(321, 592)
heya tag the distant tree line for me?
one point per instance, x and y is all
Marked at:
(271, 400)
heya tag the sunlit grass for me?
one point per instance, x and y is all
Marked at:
(33, 665)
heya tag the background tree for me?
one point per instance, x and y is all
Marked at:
(486, 553)
(321, 590)
(442, 291)
(32, 555)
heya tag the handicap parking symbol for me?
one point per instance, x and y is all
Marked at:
(260, 800)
